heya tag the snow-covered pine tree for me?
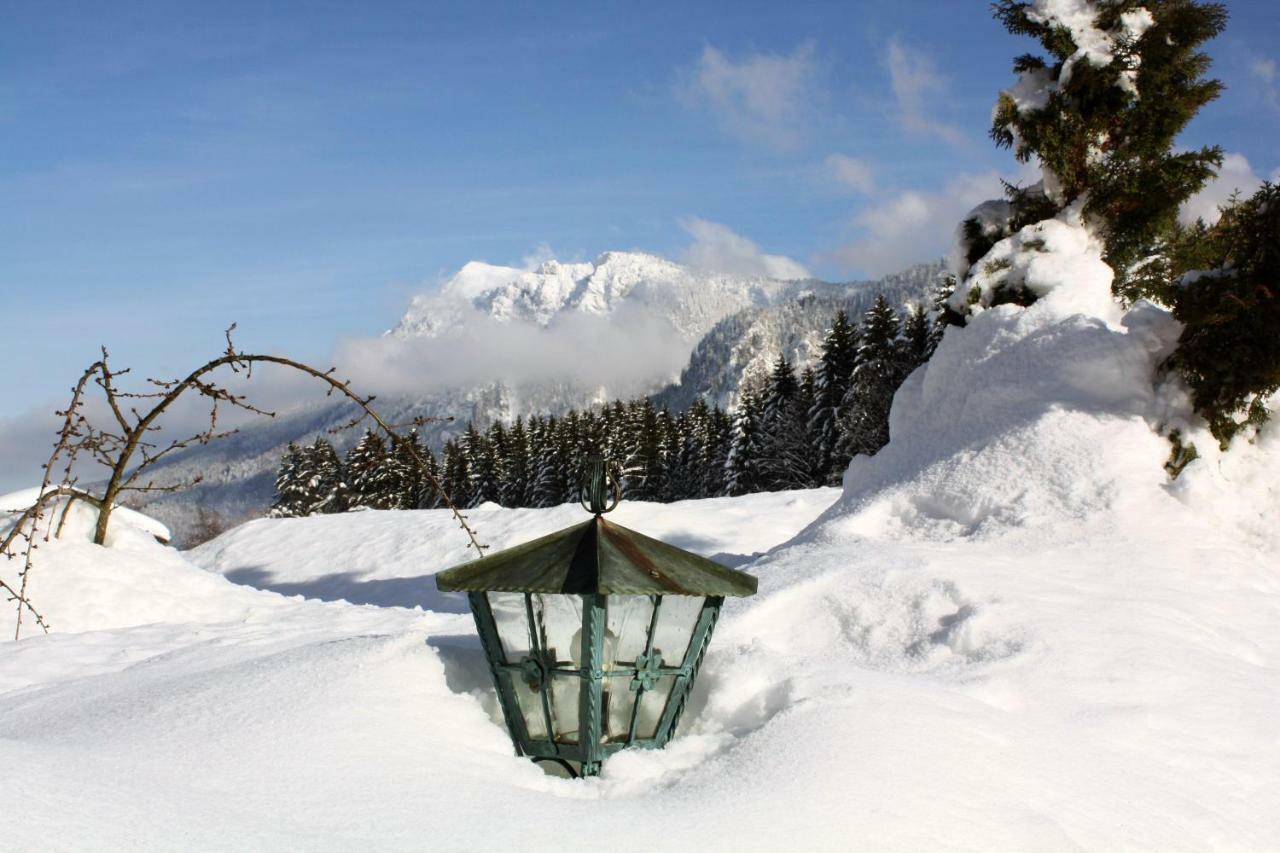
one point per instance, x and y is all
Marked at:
(615, 432)
(370, 481)
(742, 464)
(327, 488)
(719, 437)
(784, 446)
(573, 444)
(831, 382)
(457, 475)
(414, 489)
(684, 463)
(645, 471)
(482, 463)
(551, 475)
(918, 339)
(881, 368)
(1102, 114)
(517, 467)
(291, 485)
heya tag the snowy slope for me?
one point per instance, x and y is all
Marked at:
(387, 557)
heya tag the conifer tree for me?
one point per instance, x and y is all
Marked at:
(291, 491)
(784, 447)
(327, 488)
(457, 475)
(881, 369)
(918, 339)
(482, 464)
(413, 480)
(1229, 304)
(516, 468)
(370, 480)
(742, 464)
(831, 383)
(719, 438)
(551, 473)
(644, 471)
(684, 465)
(1101, 113)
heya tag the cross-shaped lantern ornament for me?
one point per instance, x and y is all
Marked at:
(594, 634)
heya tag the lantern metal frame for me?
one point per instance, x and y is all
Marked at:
(590, 747)
(594, 562)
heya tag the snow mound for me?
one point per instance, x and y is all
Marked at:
(389, 558)
(132, 580)
(20, 500)
(1023, 419)
(1059, 260)
(1040, 418)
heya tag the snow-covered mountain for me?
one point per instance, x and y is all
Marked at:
(690, 300)
(732, 326)
(741, 348)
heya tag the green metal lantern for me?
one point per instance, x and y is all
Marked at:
(594, 634)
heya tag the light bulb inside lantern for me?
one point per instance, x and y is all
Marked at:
(607, 658)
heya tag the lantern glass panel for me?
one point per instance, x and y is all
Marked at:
(652, 704)
(618, 699)
(510, 617)
(628, 621)
(566, 690)
(530, 701)
(559, 620)
(676, 620)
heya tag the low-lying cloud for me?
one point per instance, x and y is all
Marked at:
(624, 352)
(718, 248)
(909, 226)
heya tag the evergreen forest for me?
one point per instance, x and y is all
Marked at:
(797, 430)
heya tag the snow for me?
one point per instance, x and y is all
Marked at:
(1059, 260)
(1097, 47)
(382, 555)
(691, 300)
(1008, 631)
(20, 500)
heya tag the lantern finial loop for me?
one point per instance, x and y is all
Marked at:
(599, 484)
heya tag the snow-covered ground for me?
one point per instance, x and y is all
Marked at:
(1009, 631)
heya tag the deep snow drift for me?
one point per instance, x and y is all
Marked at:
(1009, 632)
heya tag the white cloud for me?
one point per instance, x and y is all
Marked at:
(539, 256)
(624, 351)
(851, 173)
(1268, 76)
(915, 82)
(761, 98)
(718, 248)
(1235, 175)
(912, 226)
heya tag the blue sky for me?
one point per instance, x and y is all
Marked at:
(303, 169)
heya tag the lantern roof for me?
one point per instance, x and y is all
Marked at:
(597, 557)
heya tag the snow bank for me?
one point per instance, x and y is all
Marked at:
(133, 580)
(19, 501)
(389, 558)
